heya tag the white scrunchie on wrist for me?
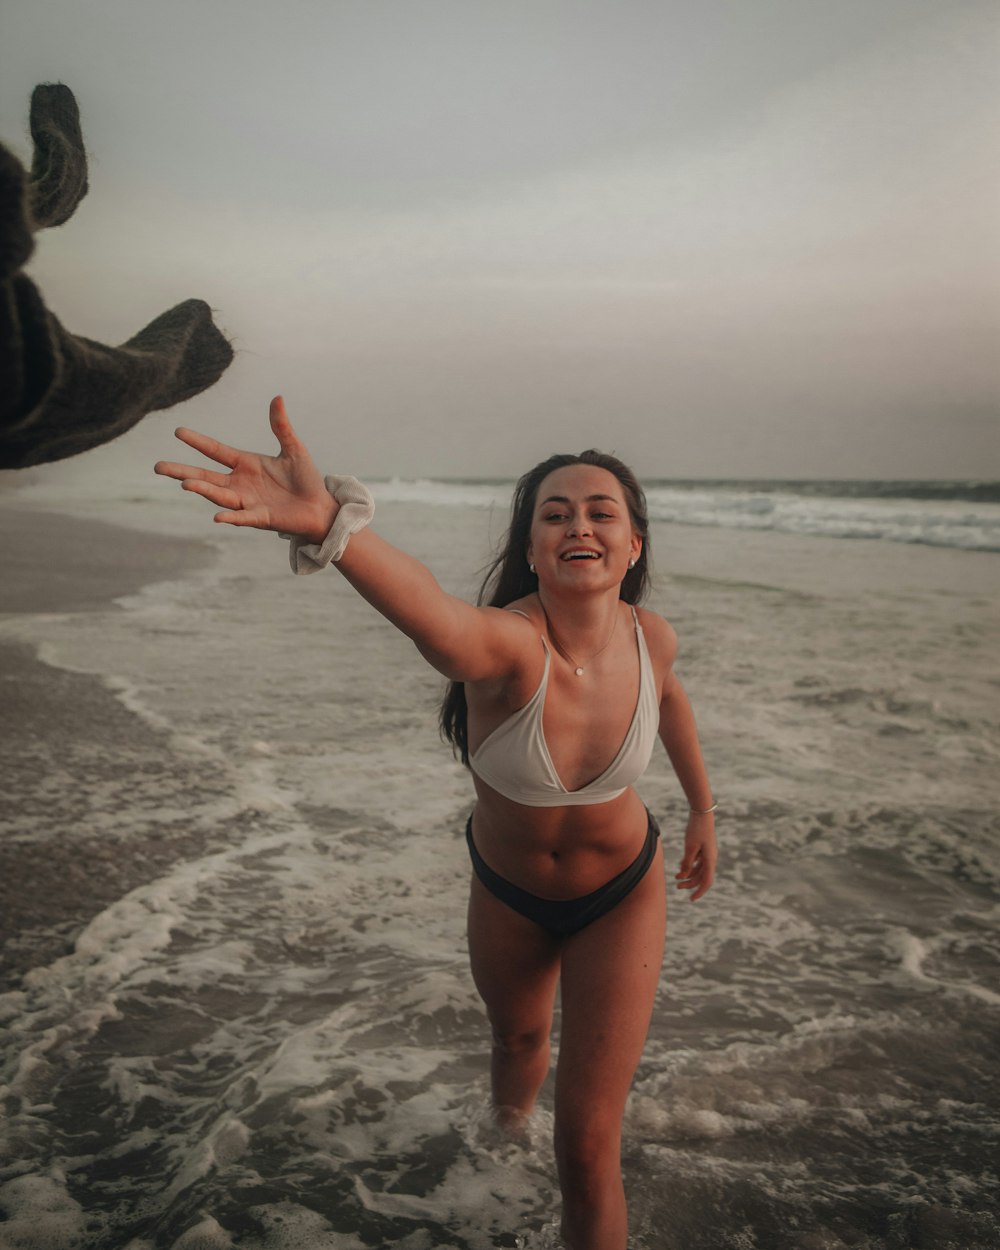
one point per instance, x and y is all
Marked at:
(357, 507)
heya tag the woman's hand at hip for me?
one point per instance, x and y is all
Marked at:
(697, 871)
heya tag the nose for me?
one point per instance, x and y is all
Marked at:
(579, 525)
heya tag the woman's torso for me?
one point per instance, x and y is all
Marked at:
(562, 851)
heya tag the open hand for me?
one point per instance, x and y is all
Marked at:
(284, 492)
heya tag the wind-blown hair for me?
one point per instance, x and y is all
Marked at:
(509, 578)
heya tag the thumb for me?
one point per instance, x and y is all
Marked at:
(689, 861)
(244, 517)
(281, 427)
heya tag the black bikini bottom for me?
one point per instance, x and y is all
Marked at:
(563, 917)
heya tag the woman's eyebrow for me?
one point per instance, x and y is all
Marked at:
(589, 499)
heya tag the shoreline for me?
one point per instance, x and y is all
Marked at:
(67, 725)
(57, 562)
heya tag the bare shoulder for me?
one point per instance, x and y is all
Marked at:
(513, 665)
(661, 639)
(521, 618)
(527, 607)
(478, 644)
(514, 620)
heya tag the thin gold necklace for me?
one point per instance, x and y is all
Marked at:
(577, 666)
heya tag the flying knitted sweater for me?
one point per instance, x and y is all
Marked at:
(60, 393)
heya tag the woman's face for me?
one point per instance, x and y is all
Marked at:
(581, 530)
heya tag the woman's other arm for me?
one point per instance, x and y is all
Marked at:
(679, 735)
(286, 493)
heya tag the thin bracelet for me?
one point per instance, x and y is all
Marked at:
(706, 811)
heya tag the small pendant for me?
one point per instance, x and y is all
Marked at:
(578, 671)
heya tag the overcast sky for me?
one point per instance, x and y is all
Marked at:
(722, 237)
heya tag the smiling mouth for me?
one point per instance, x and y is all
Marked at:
(580, 555)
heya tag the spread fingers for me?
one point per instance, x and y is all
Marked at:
(221, 496)
(208, 446)
(190, 472)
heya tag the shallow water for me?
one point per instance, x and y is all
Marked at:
(267, 1035)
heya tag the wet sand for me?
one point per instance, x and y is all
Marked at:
(54, 563)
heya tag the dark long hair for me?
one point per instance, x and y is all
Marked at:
(509, 578)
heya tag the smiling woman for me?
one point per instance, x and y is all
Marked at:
(560, 685)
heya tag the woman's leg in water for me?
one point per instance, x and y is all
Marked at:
(515, 965)
(610, 971)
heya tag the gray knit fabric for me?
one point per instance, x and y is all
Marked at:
(61, 394)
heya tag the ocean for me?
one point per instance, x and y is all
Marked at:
(236, 1008)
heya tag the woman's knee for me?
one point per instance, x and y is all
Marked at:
(520, 1041)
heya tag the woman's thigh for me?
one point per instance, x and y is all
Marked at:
(515, 965)
(610, 972)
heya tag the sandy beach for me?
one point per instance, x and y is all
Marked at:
(51, 887)
(54, 562)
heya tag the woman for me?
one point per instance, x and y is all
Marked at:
(559, 689)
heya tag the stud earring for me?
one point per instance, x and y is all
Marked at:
(631, 564)
(531, 568)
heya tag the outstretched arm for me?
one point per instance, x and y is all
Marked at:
(680, 736)
(286, 493)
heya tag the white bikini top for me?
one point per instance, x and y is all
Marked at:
(514, 759)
